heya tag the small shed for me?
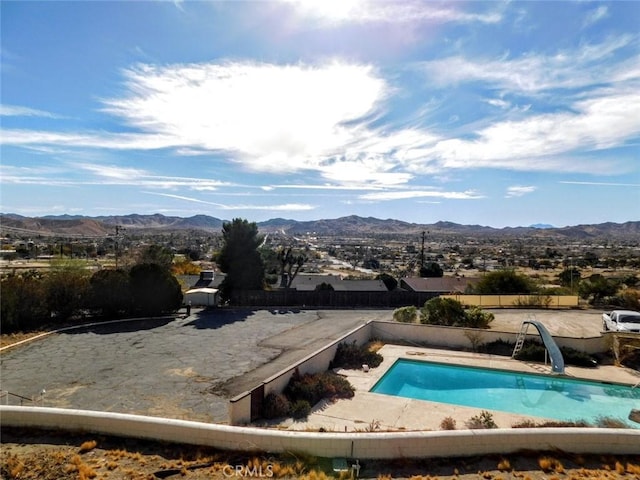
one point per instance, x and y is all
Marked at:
(205, 297)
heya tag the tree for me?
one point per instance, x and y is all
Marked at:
(288, 260)
(66, 285)
(389, 282)
(569, 277)
(157, 254)
(110, 293)
(239, 257)
(154, 290)
(23, 305)
(596, 288)
(503, 282)
(431, 270)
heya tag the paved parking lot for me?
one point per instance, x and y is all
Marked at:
(189, 368)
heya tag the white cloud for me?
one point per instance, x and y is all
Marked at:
(542, 142)
(519, 190)
(269, 117)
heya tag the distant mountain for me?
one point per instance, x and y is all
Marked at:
(541, 225)
(352, 225)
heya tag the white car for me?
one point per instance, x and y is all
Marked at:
(621, 321)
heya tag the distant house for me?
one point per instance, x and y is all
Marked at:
(311, 282)
(437, 285)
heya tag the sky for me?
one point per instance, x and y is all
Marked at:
(490, 113)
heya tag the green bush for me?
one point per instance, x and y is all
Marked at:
(475, 317)
(275, 405)
(442, 311)
(451, 313)
(405, 314)
(352, 356)
(300, 409)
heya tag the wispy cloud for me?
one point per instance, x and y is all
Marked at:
(19, 111)
(281, 207)
(519, 190)
(588, 64)
(408, 194)
(595, 15)
(601, 184)
(336, 12)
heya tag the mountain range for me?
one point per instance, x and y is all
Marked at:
(78, 225)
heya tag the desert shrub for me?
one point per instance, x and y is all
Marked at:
(481, 421)
(315, 387)
(442, 311)
(275, 405)
(551, 424)
(448, 423)
(498, 347)
(450, 312)
(610, 422)
(475, 317)
(536, 352)
(405, 314)
(300, 409)
(352, 356)
(540, 301)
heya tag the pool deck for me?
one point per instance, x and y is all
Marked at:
(371, 411)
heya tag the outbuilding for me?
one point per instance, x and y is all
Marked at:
(202, 297)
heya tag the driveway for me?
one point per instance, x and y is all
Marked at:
(179, 368)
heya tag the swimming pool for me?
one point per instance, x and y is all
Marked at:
(554, 397)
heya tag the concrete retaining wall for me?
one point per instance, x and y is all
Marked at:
(384, 445)
(240, 407)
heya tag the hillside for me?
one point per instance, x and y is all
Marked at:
(67, 225)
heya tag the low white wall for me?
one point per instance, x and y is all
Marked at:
(383, 445)
(457, 337)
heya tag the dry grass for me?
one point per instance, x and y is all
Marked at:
(113, 459)
(87, 446)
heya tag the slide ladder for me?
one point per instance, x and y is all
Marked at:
(557, 360)
(522, 335)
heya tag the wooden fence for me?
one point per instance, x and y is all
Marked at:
(329, 299)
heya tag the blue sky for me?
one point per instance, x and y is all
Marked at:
(491, 113)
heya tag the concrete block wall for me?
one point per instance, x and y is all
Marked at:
(382, 445)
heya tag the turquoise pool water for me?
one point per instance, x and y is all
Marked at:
(559, 398)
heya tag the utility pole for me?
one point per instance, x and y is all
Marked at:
(118, 230)
(422, 253)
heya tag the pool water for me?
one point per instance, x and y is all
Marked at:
(553, 397)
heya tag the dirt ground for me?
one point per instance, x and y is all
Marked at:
(42, 455)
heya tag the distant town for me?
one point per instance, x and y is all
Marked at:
(349, 247)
